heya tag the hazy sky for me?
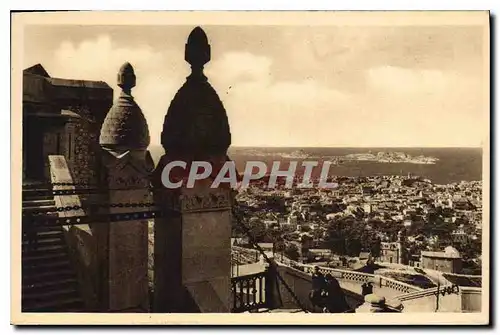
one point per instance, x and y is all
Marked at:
(295, 86)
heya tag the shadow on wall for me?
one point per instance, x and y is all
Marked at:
(83, 251)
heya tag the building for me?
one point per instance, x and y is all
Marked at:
(366, 190)
(332, 216)
(270, 223)
(407, 223)
(389, 252)
(448, 260)
(325, 253)
(394, 252)
(267, 247)
(459, 236)
(235, 241)
(414, 260)
(367, 208)
(62, 117)
(291, 222)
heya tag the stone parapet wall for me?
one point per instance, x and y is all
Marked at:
(82, 244)
(360, 277)
(471, 299)
(81, 239)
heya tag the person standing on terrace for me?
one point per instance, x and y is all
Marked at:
(318, 288)
(318, 279)
(336, 301)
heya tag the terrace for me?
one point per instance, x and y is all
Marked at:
(252, 294)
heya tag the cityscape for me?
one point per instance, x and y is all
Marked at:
(362, 218)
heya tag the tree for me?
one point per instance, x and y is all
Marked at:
(280, 246)
(471, 249)
(375, 246)
(348, 236)
(258, 230)
(305, 228)
(353, 246)
(273, 235)
(436, 225)
(292, 252)
(317, 234)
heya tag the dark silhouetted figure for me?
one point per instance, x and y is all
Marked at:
(336, 301)
(318, 291)
(366, 288)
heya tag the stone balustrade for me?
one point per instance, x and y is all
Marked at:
(249, 292)
(397, 296)
(397, 285)
(413, 298)
(359, 277)
(450, 289)
(471, 299)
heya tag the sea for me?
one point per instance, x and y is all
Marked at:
(453, 164)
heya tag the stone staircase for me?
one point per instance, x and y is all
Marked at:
(49, 283)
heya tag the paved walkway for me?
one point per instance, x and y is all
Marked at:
(354, 287)
(247, 269)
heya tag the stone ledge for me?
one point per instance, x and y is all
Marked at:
(197, 202)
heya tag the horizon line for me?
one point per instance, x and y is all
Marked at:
(360, 147)
(348, 147)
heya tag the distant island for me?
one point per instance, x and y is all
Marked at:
(379, 157)
(297, 154)
(391, 157)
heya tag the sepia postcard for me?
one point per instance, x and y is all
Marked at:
(243, 168)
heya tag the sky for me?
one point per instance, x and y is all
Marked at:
(295, 86)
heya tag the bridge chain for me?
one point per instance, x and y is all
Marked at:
(68, 184)
(75, 191)
(37, 218)
(50, 186)
(448, 290)
(36, 222)
(261, 251)
(39, 212)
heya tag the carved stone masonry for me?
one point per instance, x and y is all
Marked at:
(127, 165)
(211, 201)
(193, 250)
(185, 203)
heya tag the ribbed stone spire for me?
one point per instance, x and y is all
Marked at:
(196, 122)
(125, 126)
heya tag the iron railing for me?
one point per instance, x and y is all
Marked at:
(249, 292)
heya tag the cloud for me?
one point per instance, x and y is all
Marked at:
(407, 81)
(431, 107)
(159, 73)
(264, 111)
(390, 106)
(282, 112)
(239, 66)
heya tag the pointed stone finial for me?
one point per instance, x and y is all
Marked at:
(197, 52)
(196, 122)
(373, 304)
(126, 78)
(125, 126)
